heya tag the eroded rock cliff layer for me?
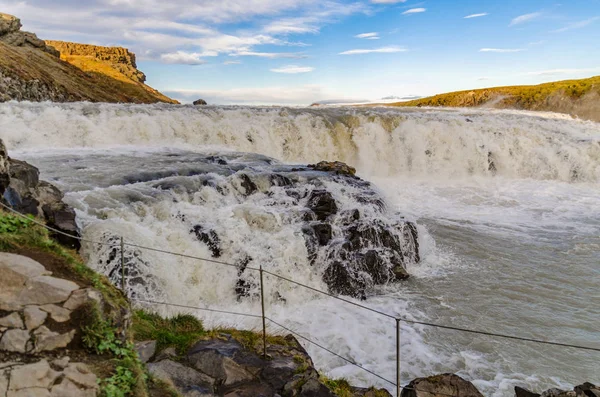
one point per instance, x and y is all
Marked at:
(119, 58)
(32, 70)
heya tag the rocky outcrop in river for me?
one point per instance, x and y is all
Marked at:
(352, 240)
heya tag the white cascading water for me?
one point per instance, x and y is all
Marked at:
(506, 204)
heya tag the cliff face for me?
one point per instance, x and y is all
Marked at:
(119, 58)
(11, 34)
(34, 70)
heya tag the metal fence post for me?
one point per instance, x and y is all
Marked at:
(398, 387)
(123, 266)
(262, 302)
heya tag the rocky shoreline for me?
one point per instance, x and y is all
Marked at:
(22, 189)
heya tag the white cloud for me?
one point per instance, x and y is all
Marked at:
(391, 49)
(484, 78)
(368, 36)
(577, 25)
(232, 63)
(187, 58)
(387, 1)
(501, 50)
(270, 55)
(525, 18)
(483, 14)
(414, 11)
(293, 69)
(256, 96)
(312, 21)
(154, 27)
(563, 71)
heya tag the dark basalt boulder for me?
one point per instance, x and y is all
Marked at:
(440, 386)
(200, 102)
(520, 392)
(247, 185)
(210, 238)
(322, 203)
(4, 168)
(25, 173)
(61, 217)
(334, 166)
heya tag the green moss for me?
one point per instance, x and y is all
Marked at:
(339, 387)
(161, 388)
(180, 332)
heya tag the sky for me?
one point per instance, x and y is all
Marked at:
(296, 52)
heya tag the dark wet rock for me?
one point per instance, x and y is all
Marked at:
(247, 184)
(322, 203)
(200, 102)
(210, 238)
(280, 180)
(587, 390)
(61, 217)
(334, 166)
(323, 233)
(491, 164)
(223, 361)
(183, 378)
(25, 173)
(243, 286)
(4, 168)
(521, 392)
(345, 281)
(440, 386)
(217, 159)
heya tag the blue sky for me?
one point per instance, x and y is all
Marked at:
(302, 51)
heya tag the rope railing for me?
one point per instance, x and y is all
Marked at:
(398, 319)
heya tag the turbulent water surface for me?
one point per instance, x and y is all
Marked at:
(506, 204)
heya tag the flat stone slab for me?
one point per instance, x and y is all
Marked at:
(57, 313)
(14, 340)
(13, 320)
(33, 375)
(16, 270)
(46, 340)
(34, 317)
(42, 290)
(183, 378)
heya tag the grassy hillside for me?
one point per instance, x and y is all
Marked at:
(84, 80)
(576, 97)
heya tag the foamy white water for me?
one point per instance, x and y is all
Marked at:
(506, 204)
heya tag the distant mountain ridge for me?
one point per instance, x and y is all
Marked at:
(34, 70)
(580, 98)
